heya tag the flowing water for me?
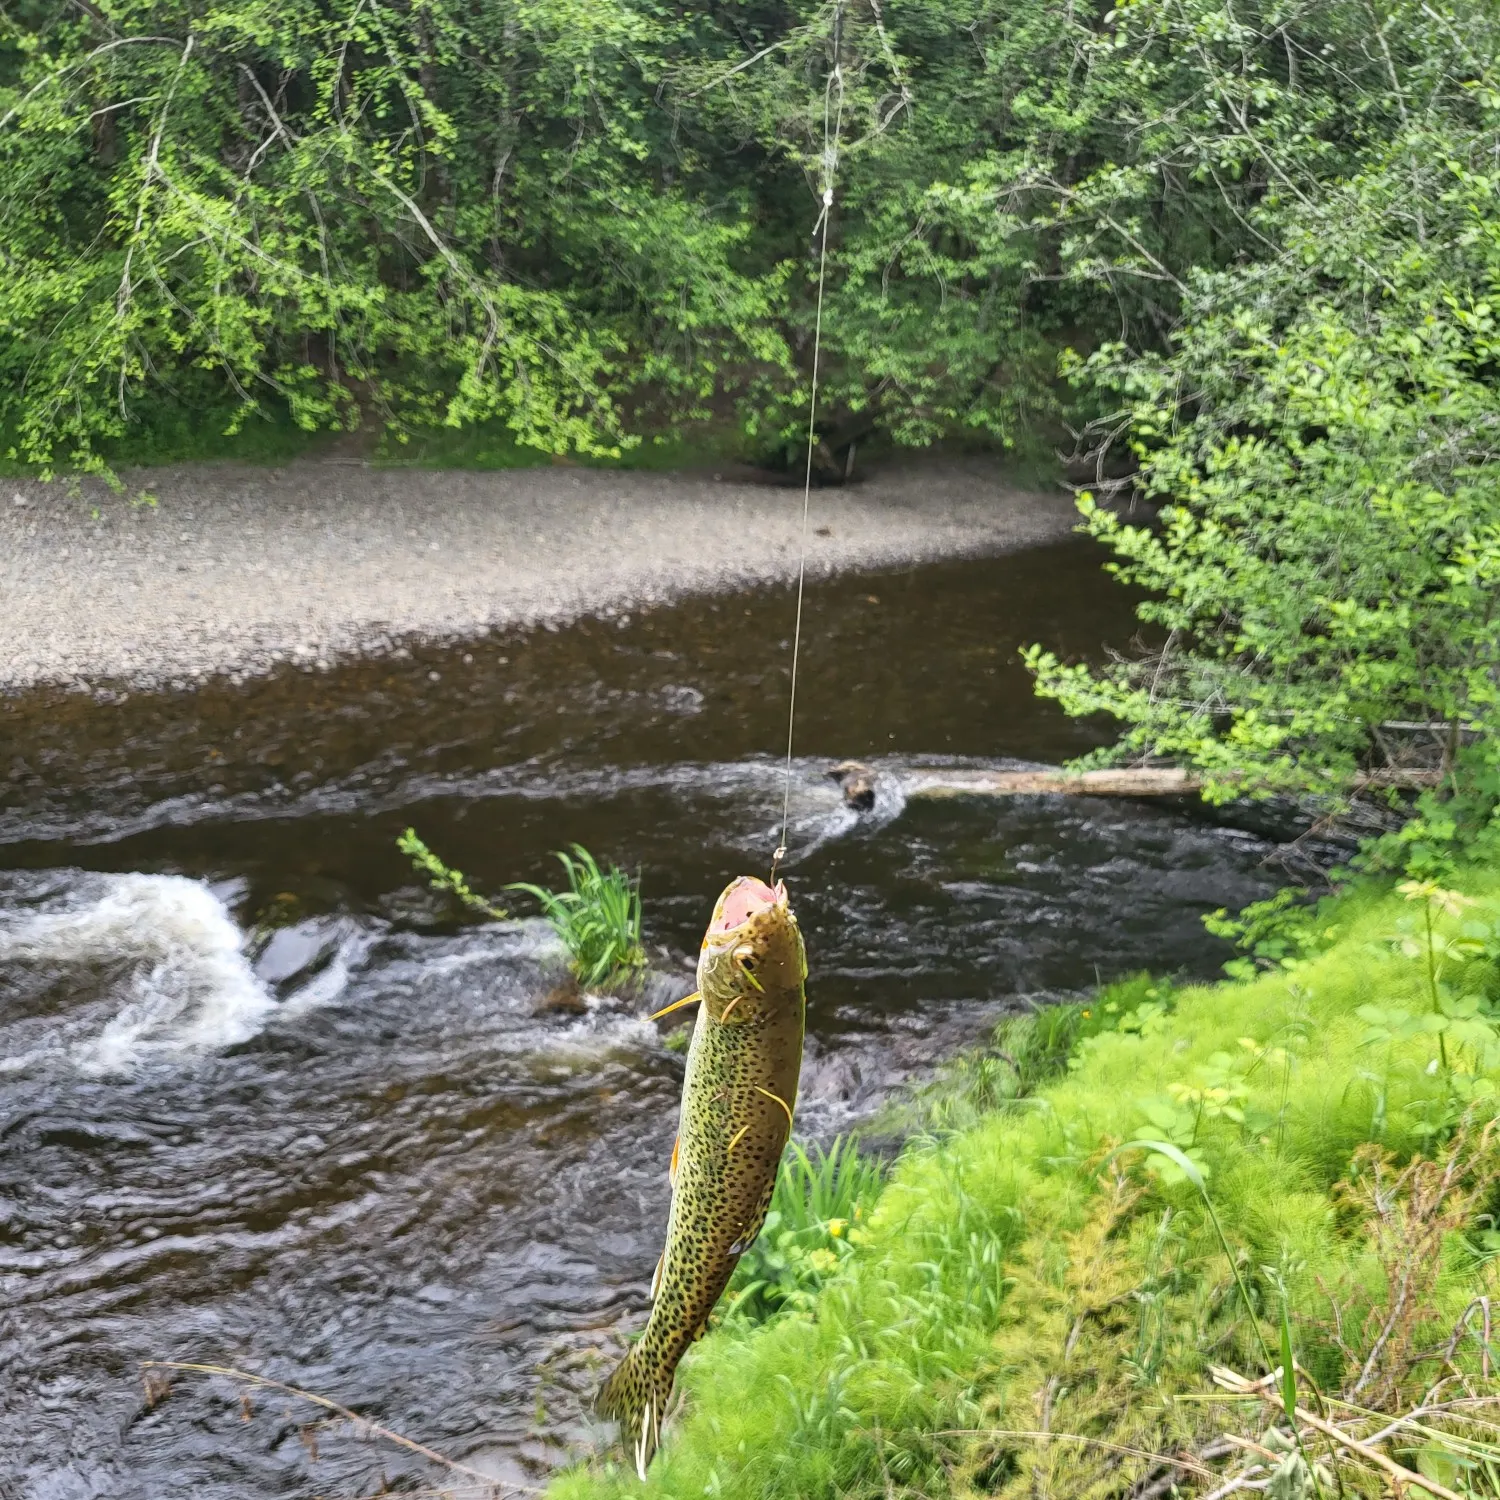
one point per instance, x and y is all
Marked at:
(269, 1104)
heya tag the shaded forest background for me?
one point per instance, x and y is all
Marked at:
(586, 219)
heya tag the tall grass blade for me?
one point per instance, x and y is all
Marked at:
(1190, 1170)
(1288, 1369)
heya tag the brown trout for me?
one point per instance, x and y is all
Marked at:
(737, 1101)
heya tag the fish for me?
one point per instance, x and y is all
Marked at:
(738, 1096)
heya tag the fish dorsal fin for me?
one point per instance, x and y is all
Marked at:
(676, 1155)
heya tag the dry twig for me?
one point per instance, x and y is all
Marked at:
(264, 1382)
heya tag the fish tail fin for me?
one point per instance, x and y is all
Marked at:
(636, 1395)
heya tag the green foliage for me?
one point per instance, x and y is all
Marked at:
(818, 1208)
(430, 215)
(1460, 1010)
(1280, 932)
(443, 877)
(1319, 432)
(1022, 1271)
(1023, 1052)
(492, 445)
(598, 917)
(1027, 1051)
(574, 223)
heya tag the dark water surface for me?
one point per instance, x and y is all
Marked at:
(267, 1104)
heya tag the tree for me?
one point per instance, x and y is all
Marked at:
(1323, 435)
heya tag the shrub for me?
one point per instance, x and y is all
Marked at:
(1320, 437)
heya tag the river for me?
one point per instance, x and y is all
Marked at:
(269, 1104)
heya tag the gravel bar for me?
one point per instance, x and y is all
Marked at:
(238, 569)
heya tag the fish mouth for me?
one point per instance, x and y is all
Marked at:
(745, 897)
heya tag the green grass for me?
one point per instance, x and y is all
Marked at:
(1025, 1052)
(1020, 1271)
(598, 918)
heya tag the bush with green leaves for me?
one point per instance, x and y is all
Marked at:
(1322, 433)
(598, 918)
(578, 220)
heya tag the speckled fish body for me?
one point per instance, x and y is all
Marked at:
(737, 1100)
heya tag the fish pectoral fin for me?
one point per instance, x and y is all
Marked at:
(676, 1154)
(667, 1010)
(661, 1260)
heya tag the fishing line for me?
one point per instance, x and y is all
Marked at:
(829, 168)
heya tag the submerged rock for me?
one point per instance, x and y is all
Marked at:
(563, 999)
(857, 782)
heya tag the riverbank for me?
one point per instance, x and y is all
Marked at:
(237, 569)
(1031, 1309)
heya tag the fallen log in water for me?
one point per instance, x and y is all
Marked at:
(858, 782)
(1165, 781)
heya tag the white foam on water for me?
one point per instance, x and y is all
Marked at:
(190, 988)
(524, 939)
(601, 1030)
(330, 981)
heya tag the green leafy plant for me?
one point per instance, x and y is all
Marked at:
(1317, 430)
(1456, 969)
(598, 917)
(821, 1200)
(419, 220)
(1281, 932)
(443, 877)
